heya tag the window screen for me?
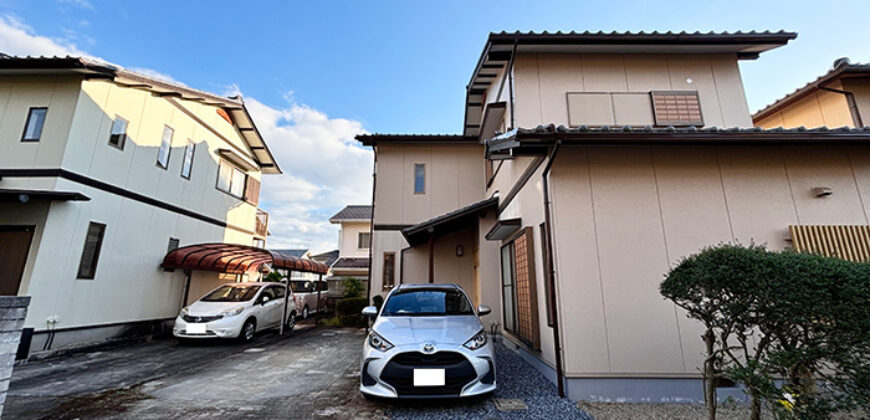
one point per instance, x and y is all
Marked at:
(364, 240)
(34, 123)
(118, 135)
(677, 108)
(165, 148)
(91, 250)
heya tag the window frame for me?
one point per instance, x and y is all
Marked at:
(168, 147)
(230, 187)
(391, 256)
(184, 160)
(359, 237)
(422, 191)
(30, 111)
(95, 258)
(123, 142)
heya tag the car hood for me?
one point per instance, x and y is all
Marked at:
(454, 329)
(200, 308)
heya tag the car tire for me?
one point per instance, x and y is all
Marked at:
(305, 312)
(291, 322)
(246, 334)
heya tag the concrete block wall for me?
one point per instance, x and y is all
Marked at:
(13, 309)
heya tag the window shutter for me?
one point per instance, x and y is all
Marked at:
(252, 191)
(677, 108)
(527, 301)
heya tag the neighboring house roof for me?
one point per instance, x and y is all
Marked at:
(500, 47)
(375, 138)
(447, 222)
(529, 141)
(298, 253)
(351, 263)
(93, 68)
(327, 257)
(359, 213)
(842, 69)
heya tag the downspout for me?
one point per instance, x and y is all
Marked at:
(850, 101)
(510, 75)
(551, 276)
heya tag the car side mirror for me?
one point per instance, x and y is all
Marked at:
(263, 300)
(370, 312)
(483, 310)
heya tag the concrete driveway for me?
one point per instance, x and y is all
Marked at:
(310, 373)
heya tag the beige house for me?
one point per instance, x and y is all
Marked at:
(354, 245)
(839, 98)
(103, 172)
(588, 165)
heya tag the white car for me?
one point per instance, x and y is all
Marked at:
(235, 310)
(427, 342)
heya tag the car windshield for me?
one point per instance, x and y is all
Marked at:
(427, 302)
(231, 294)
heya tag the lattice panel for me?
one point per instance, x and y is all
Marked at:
(851, 243)
(525, 327)
(677, 108)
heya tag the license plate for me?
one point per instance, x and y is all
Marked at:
(196, 328)
(428, 377)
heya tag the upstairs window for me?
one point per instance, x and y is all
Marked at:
(419, 178)
(91, 251)
(118, 135)
(677, 108)
(165, 147)
(34, 123)
(364, 240)
(231, 180)
(187, 163)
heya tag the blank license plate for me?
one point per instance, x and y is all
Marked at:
(196, 328)
(428, 377)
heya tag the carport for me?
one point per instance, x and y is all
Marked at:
(239, 259)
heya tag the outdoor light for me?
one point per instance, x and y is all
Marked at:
(459, 250)
(822, 191)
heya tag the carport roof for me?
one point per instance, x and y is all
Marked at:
(235, 259)
(448, 222)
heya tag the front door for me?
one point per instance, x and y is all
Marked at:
(14, 246)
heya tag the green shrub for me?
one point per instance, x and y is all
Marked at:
(353, 287)
(377, 301)
(349, 311)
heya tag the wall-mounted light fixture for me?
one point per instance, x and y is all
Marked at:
(822, 191)
(460, 251)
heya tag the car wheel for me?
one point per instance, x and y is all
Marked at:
(305, 312)
(291, 321)
(248, 330)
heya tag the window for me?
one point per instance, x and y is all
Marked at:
(34, 123)
(419, 178)
(609, 108)
(427, 302)
(364, 240)
(232, 293)
(118, 136)
(91, 250)
(187, 163)
(165, 148)
(677, 108)
(389, 270)
(173, 244)
(519, 295)
(231, 180)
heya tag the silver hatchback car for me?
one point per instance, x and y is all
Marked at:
(427, 342)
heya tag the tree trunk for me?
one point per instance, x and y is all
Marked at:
(710, 375)
(755, 406)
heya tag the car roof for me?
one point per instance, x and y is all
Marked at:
(430, 286)
(254, 283)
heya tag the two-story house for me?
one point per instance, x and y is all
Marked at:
(588, 165)
(102, 172)
(354, 245)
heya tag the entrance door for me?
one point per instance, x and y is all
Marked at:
(14, 246)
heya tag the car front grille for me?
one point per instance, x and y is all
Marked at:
(399, 373)
(200, 319)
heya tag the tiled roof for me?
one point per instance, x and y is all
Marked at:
(291, 252)
(375, 138)
(351, 262)
(447, 222)
(327, 257)
(641, 34)
(840, 68)
(353, 212)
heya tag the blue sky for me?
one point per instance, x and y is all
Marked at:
(315, 73)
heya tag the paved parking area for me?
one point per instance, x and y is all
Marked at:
(311, 373)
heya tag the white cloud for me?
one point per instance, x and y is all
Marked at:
(84, 4)
(324, 170)
(156, 74)
(17, 38)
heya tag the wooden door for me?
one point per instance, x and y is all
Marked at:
(14, 246)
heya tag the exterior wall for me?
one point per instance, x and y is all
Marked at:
(348, 239)
(623, 216)
(543, 80)
(861, 89)
(819, 109)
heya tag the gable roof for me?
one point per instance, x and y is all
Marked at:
(326, 258)
(842, 69)
(360, 213)
(91, 68)
(377, 138)
(298, 253)
(500, 48)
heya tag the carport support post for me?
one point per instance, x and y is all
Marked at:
(317, 314)
(431, 256)
(187, 274)
(286, 300)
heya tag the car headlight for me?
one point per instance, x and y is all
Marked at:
(232, 312)
(378, 342)
(476, 342)
(184, 311)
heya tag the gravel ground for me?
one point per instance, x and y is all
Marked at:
(650, 411)
(516, 379)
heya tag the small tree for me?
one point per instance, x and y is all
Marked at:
(274, 277)
(352, 286)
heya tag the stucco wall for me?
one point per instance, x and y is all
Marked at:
(622, 217)
(348, 239)
(542, 80)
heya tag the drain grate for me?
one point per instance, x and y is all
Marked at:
(509, 404)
